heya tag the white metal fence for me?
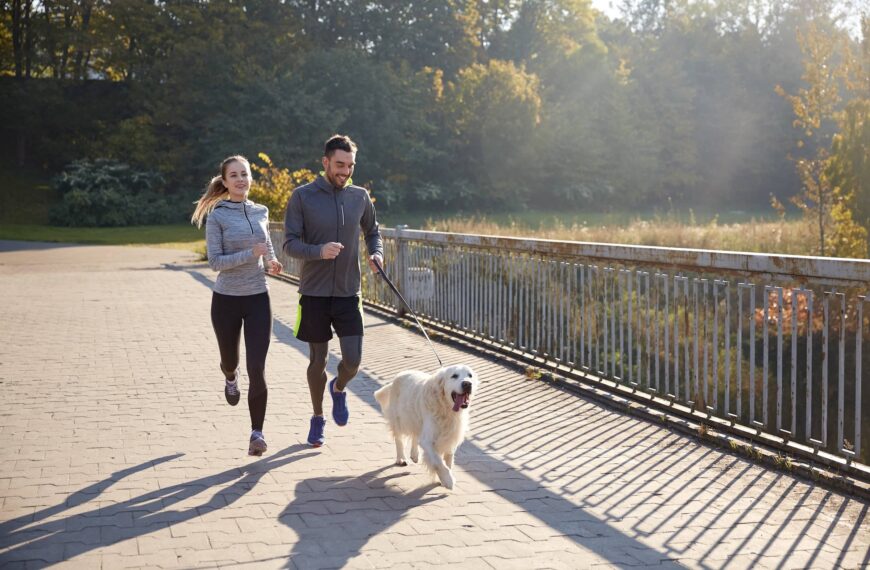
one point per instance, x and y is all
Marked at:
(774, 344)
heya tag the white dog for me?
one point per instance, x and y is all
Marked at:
(432, 410)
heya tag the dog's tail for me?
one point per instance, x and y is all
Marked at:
(382, 395)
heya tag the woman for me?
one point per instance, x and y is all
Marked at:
(237, 241)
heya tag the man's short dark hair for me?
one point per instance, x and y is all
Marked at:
(338, 142)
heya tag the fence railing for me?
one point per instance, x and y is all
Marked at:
(775, 344)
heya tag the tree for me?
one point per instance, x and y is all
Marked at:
(273, 185)
(661, 84)
(815, 108)
(550, 35)
(849, 166)
(493, 112)
(22, 36)
(424, 33)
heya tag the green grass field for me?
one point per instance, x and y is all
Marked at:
(182, 236)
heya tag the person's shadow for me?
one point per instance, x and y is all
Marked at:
(369, 505)
(27, 538)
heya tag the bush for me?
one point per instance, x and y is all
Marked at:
(274, 185)
(109, 193)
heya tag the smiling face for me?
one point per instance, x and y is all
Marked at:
(460, 382)
(237, 179)
(338, 167)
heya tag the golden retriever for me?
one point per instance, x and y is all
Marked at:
(432, 410)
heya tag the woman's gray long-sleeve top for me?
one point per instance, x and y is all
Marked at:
(231, 231)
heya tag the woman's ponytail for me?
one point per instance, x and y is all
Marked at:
(213, 194)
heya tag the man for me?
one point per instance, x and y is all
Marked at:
(322, 226)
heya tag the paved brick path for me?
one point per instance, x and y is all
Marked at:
(118, 450)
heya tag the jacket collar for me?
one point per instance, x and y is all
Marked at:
(324, 184)
(233, 205)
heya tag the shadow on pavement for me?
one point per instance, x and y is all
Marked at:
(15, 245)
(27, 538)
(370, 506)
(564, 499)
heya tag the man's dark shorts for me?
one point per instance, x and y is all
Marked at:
(317, 316)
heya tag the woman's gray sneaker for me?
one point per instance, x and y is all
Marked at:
(231, 390)
(257, 446)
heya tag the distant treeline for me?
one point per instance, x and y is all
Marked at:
(455, 104)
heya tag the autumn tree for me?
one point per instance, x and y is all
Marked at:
(849, 166)
(273, 185)
(816, 108)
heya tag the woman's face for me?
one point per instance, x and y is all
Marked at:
(237, 179)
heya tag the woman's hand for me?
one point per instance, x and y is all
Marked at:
(274, 267)
(260, 250)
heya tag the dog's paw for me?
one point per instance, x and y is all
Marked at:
(401, 463)
(447, 479)
(415, 456)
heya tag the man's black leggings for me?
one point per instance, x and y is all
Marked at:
(228, 313)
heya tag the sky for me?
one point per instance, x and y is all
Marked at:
(605, 6)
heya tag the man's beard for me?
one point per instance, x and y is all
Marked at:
(333, 179)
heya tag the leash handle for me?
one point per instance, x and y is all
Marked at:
(399, 295)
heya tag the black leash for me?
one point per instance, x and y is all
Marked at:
(396, 291)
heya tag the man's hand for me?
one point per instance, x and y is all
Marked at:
(260, 250)
(330, 250)
(372, 259)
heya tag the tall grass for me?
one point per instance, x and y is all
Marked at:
(780, 236)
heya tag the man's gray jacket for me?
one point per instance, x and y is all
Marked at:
(318, 213)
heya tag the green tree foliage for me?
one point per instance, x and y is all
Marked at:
(493, 115)
(849, 166)
(456, 104)
(425, 33)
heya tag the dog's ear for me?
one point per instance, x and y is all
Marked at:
(441, 376)
(434, 387)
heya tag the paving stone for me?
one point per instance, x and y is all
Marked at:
(147, 466)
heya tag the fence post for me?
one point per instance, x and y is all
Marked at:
(401, 267)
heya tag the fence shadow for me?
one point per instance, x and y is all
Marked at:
(685, 513)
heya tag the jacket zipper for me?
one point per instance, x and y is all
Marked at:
(245, 210)
(338, 224)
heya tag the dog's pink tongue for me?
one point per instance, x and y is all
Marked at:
(459, 400)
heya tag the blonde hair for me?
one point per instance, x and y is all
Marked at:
(215, 191)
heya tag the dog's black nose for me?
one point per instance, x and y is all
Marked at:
(466, 387)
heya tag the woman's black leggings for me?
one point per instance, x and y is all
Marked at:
(228, 313)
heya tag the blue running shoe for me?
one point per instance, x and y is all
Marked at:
(315, 432)
(339, 405)
(257, 445)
